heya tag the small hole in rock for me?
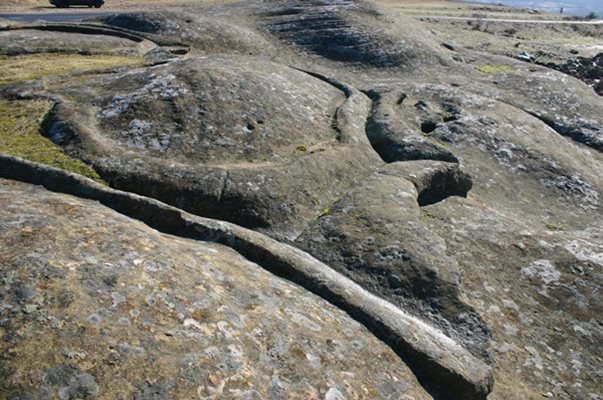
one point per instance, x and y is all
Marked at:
(250, 127)
(428, 126)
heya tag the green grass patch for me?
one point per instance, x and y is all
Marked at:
(495, 69)
(20, 137)
(553, 227)
(34, 66)
(324, 212)
(428, 214)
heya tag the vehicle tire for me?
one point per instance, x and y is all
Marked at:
(98, 5)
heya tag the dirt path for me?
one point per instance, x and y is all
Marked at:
(527, 21)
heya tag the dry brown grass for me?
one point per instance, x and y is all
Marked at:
(34, 66)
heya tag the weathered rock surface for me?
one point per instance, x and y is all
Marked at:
(95, 305)
(544, 93)
(396, 136)
(204, 34)
(222, 137)
(587, 69)
(376, 235)
(450, 367)
(355, 32)
(532, 216)
(463, 187)
(488, 135)
(536, 289)
(26, 41)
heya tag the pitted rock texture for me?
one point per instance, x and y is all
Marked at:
(127, 312)
(526, 238)
(396, 138)
(214, 111)
(462, 186)
(221, 136)
(488, 135)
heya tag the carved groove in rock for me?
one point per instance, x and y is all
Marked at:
(518, 257)
(81, 28)
(447, 364)
(377, 236)
(588, 134)
(395, 143)
(210, 35)
(199, 151)
(347, 119)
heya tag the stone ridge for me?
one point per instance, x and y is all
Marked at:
(462, 186)
(377, 235)
(132, 313)
(447, 363)
(222, 137)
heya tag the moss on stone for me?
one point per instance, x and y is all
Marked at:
(495, 69)
(324, 212)
(428, 214)
(553, 227)
(20, 137)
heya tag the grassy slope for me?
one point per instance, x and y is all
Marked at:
(26, 67)
(20, 120)
(20, 136)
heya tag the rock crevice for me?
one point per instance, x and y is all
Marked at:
(447, 363)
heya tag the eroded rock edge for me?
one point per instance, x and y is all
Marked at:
(448, 365)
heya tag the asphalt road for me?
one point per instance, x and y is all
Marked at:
(70, 16)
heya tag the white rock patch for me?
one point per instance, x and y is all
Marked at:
(542, 269)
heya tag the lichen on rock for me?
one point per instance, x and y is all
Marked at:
(130, 312)
(437, 206)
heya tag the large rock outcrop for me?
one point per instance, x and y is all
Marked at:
(32, 41)
(222, 137)
(460, 187)
(96, 305)
(376, 234)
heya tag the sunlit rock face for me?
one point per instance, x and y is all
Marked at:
(462, 187)
(95, 305)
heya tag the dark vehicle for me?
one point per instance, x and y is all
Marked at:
(67, 3)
